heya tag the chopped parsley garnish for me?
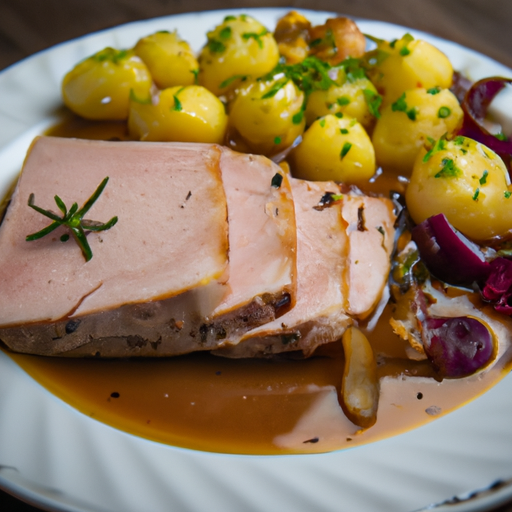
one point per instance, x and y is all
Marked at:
(345, 149)
(483, 179)
(404, 51)
(400, 105)
(507, 194)
(438, 145)
(216, 46)
(343, 131)
(178, 107)
(443, 112)
(434, 90)
(195, 72)
(297, 118)
(276, 87)
(322, 122)
(257, 37)
(231, 79)
(343, 100)
(339, 115)
(225, 33)
(277, 140)
(501, 136)
(73, 219)
(373, 101)
(476, 194)
(449, 169)
(229, 18)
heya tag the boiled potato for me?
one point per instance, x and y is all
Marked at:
(406, 124)
(99, 87)
(337, 39)
(292, 36)
(408, 63)
(467, 182)
(267, 116)
(182, 114)
(336, 149)
(238, 48)
(350, 95)
(169, 59)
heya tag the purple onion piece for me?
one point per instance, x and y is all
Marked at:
(457, 347)
(448, 254)
(498, 287)
(475, 105)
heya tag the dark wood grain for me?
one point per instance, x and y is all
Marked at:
(29, 26)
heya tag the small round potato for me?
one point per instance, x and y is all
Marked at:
(408, 63)
(355, 97)
(336, 149)
(99, 87)
(238, 48)
(181, 114)
(405, 125)
(267, 115)
(467, 182)
(169, 59)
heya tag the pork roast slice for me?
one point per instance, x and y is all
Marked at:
(341, 250)
(172, 208)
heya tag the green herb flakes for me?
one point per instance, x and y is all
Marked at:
(345, 149)
(449, 169)
(483, 179)
(443, 112)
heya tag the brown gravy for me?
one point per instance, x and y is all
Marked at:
(209, 403)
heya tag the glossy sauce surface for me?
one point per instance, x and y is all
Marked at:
(209, 403)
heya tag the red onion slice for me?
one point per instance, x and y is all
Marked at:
(475, 105)
(448, 254)
(458, 347)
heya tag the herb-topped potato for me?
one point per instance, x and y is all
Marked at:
(405, 125)
(351, 94)
(266, 115)
(169, 59)
(407, 63)
(181, 114)
(99, 87)
(466, 181)
(238, 48)
(334, 148)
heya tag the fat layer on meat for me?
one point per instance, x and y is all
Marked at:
(163, 291)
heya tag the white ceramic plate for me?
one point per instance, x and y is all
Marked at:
(59, 459)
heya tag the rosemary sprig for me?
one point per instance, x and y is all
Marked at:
(73, 219)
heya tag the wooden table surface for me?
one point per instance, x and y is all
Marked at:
(29, 26)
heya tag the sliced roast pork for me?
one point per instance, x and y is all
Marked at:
(341, 251)
(158, 280)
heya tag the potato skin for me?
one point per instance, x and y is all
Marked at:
(239, 47)
(408, 63)
(406, 125)
(170, 60)
(179, 114)
(98, 88)
(336, 149)
(267, 125)
(467, 182)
